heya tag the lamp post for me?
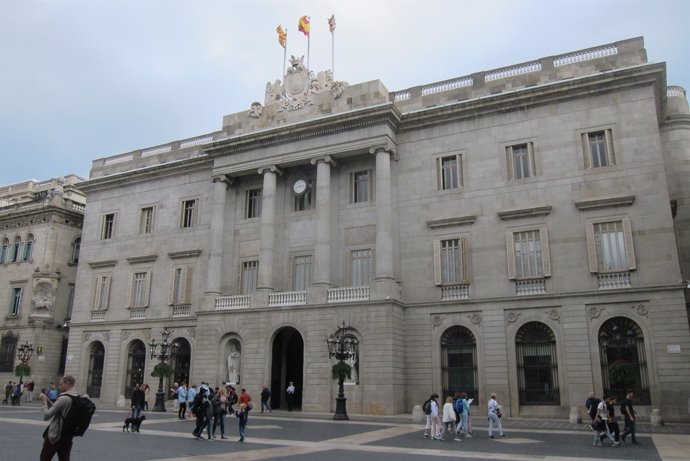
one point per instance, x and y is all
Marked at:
(162, 356)
(341, 347)
(24, 354)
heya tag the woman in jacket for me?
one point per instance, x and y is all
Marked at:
(494, 417)
(448, 417)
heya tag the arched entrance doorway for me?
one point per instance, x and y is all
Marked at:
(180, 361)
(287, 365)
(459, 362)
(95, 378)
(136, 362)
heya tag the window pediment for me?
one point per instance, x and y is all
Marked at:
(101, 264)
(142, 259)
(454, 221)
(524, 212)
(607, 202)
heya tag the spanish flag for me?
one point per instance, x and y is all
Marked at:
(282, 36)
(303, 25)
(331, 23)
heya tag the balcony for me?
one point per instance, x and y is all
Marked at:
(287, 298)
(137, 313)
(97, 315)
(530, 287)
(614, 280)
(453, 292)
(226, 303)
(347, 294)
(181, 310)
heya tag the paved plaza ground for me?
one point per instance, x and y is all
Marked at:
(313, 437)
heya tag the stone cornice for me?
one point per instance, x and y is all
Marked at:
(524, 212)
(102, 264)
(142, 259)
(455, 221)
(607, 202)
(386, 113)
(184, 254)
(546, 93)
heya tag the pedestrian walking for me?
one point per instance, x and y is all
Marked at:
(219, 403)
(601, 424)
(495, 415)
(138, 400)
(243, 414)
(265, 396)
(630, 416)
(449, 418)
(181, 400)
(174, 397)
(290, 394)
(53, 440)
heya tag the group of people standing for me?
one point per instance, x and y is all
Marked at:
(14, 392)
(604, 423)
(454, 417)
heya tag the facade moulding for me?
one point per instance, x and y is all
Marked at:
(541, 94)
(142, 259)
(524, 213)
(270, 169)
(102, 264)
(184, 254)
(608, 202)
(324, 158)
(381, 114)
(455, 221)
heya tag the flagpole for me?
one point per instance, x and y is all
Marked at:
(333, 55)
(308, 46)
(282, 76)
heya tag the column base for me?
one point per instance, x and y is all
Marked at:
(386, 289)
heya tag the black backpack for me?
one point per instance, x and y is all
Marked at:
(427, 407)
(78, 418)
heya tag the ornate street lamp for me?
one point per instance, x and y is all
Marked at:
(24, 354)
(162, 369)
(341, 347)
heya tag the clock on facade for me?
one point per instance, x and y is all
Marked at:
(299, 187)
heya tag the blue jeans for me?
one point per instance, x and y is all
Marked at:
(494, 419)
(136, 411)
(629, 429)
(219, 420)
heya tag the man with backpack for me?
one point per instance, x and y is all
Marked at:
(70, 415)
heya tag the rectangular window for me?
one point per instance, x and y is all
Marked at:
(108, 226)
(253, 204)
(70, 301)
(360, 187)
(597, 148)
(528, 254)
(360, 264)
(146, 220)
(449, 172)
(189, 213)
(520, 161)
(15, 301)
(451, 265)
(611, 243)
(250, 277)
(182, 284)
(101, 293)
(302, 273)
(139, 296)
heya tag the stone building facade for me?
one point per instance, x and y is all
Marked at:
(40, 231)
(519, 231)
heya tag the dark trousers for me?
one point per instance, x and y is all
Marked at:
(615, 429)
(629, 429)
(62, 447)
(290, 398)
(199, 423)
(182, 410)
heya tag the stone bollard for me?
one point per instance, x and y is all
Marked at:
(417, 414)
(656, 419)
(575, 417)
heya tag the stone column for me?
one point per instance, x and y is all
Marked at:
(215, 260)
(268, 228)
(51, 246)
(384, 277)
(322, 250)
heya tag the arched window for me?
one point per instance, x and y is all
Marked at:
(180, 360)
(623, 359)
(28, 247)
(459, 362)
(8, 351)
(96, 362)
(76, 246)
(136, 362)
(537, 365)
(16, 248)
(4, 250)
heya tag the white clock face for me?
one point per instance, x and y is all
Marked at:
(299, 186)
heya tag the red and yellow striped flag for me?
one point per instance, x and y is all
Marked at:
(331, 23)
(282, 36)
(303, 25)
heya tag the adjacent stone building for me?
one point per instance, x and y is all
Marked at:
(515, 231)
(40, 232)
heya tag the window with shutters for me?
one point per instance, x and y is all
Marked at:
(182, 285)
(361, 267)
(528, 254)
(302, 272)
(101, 293)
(520, 161)
(16, 249)
(139, 290)
(450, 261)
(189, 213)
(449, 172)
(597, 148)
(146, 220)
(610, 246)
(4, 251)
(108, 226)
(249, 277)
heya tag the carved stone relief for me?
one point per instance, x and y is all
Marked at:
(512, 317)
(437, 321)
(554, 314)
(594, 312)
(641, 309)
(475, 318)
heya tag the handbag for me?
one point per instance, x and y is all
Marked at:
(498, 413)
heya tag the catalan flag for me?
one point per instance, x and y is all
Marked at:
(303, 25)
(282, 36)
(331, 23)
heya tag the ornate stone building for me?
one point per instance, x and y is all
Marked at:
(515, 231)
(40, 231)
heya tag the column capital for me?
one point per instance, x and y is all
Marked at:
(224, 179)
(323, 159)
(270, 169)
(388, 148)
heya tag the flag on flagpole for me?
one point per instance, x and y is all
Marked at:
(303, 25)
(282, 36)
(331, 23)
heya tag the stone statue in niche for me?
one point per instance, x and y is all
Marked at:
(234, 358)
(43, 299)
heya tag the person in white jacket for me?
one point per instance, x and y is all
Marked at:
(494, 416)
(436, 426)
(448, 417)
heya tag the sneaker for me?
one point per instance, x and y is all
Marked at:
(438, 438)
(616, 444)
(426, 436)
(503, 436)
(223, 437)
(468, 435)
(457, 439)
(491, 436)
(635, 442)
(597, 444)
(241, 440)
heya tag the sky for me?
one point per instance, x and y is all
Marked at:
(86, 79)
